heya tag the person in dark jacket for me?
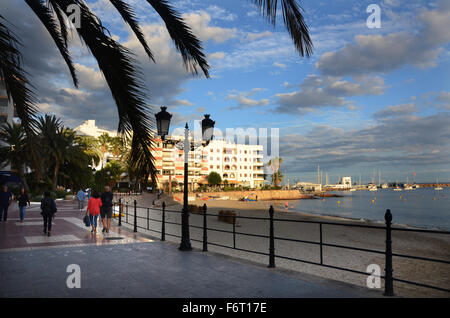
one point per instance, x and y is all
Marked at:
(6, 199)
(106, 209)
(48, 208)
(23, 200)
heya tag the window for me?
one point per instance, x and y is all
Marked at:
(211, 167)
(211, 158)
(218, 167)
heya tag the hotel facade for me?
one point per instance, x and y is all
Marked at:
(237, 164)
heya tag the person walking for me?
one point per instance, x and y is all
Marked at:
(81, 195)
(93, 209)
(6, 199)
(106, 210)
(23, 200)
(48, 207)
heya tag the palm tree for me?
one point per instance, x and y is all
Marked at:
(104, 141)
(60, 145)
(117, 63)
(274, 165)
(91, 148)
(15, 152)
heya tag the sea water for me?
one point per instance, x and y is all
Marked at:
(423, 207)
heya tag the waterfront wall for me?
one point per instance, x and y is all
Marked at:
(262, 194)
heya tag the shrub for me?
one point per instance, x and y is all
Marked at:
(60, 194)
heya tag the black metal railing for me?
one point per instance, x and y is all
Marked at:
(388, 276)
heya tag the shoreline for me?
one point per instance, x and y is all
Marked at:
(263, 207)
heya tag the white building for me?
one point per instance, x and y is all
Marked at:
(88, 128)
(238, 164)
(344, 183)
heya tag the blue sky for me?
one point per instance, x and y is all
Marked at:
(366, 99)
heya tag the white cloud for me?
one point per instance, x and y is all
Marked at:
(321, 91)
(280, 65)
(395, 111)
(384, 53)
(216, 56)
(183, 102)
(220, 13)
(244, 101)
(259, 35)
(199, 22)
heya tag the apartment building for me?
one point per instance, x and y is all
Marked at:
(238, 164)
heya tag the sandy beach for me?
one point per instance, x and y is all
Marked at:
(417, 244)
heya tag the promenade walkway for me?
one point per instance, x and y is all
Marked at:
(127, 264)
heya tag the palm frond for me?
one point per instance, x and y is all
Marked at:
(15, 78)
(116, 63)
(128, 15)
(60, 14)
(44, 14)
(185, 41)
(293, 20)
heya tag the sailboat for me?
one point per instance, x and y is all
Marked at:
(372, 186)
(438, 188)
(397, 188)
(407, 186)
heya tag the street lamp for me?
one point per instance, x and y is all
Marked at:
(163, 122)
(207, 129)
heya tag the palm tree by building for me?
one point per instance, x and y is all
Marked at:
(274, 164)
(16, 151)
(117, 63)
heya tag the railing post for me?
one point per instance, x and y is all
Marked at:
(120, 212)
(388, 280)
(234, 231)
(205, 230)
(163, 223)
(126, 212)
(135, 217)
(148, 219)
(321, 252)
(271, 240)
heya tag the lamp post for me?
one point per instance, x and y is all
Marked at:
(163, 123)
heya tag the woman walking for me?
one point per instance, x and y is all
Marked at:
(48, 208)
(23, 199)
(93, 209)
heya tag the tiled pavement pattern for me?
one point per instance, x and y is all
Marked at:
(34, 265)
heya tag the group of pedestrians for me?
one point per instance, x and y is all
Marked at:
(98, 205)
(7, 198)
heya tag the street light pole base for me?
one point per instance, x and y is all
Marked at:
(185, 247)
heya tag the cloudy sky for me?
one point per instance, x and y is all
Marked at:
(367, 99)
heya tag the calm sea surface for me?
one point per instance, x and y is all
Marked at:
(423, 207)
